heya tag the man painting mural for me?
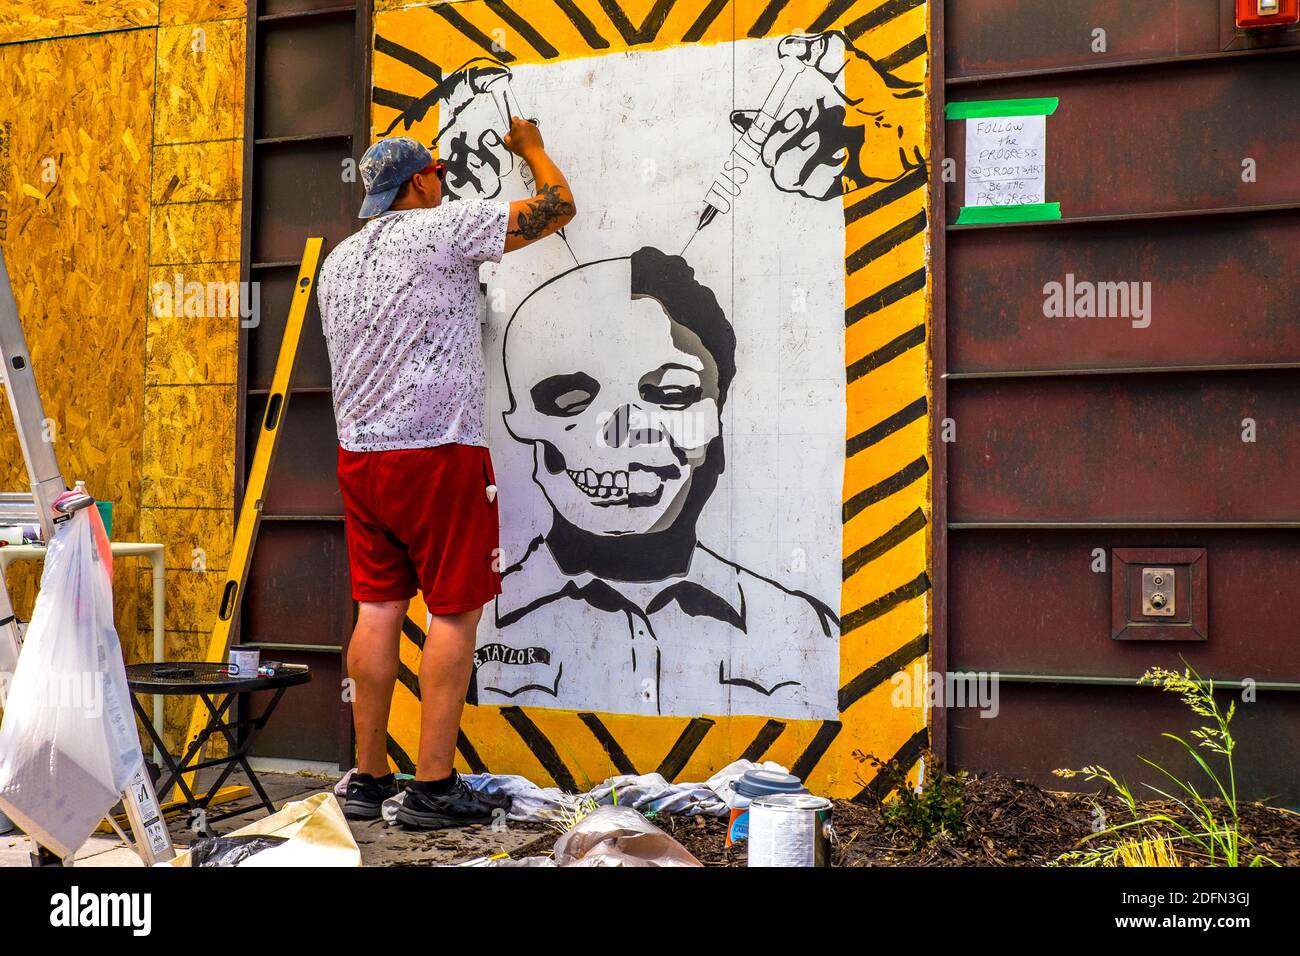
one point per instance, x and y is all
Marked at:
(645, 576)
(623, 408)
(399, 303)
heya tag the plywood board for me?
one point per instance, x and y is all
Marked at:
(819, 266)
(74, 225)
(38, 19)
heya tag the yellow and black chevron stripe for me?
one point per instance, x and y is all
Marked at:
(886, 495)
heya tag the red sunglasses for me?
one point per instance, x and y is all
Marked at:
(439, 169)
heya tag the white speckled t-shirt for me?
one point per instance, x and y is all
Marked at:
(399, 303)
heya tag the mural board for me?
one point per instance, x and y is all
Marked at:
(706, 399)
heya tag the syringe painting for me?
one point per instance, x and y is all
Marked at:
(838, 143)
(667, 384)
(823, 148)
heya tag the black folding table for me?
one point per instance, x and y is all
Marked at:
(213, 685)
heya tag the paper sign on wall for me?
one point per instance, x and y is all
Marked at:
(1006, 160)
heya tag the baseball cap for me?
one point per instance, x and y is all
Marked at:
(385, 166)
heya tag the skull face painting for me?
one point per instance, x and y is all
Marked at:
(621, 409)
(618, 372)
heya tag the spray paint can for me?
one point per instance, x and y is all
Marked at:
(790, 830)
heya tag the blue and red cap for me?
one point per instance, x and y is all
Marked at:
(384, 167)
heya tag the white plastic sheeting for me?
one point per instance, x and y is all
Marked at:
(68, 743)
(647, 792)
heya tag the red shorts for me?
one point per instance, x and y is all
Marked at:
(420, 519)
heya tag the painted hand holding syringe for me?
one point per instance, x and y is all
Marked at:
(794, 54)
(472, 143)
(829, 143)
(499, 89)
(816, 139)
(748, 150)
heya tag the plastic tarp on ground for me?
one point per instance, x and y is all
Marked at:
(68, 742)
(314, 830)
(622, 837)
(647, 792)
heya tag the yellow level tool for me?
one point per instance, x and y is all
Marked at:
(250, 509)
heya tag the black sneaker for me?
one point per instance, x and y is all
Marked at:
(497, 801)
(459, 806)
(366, 796)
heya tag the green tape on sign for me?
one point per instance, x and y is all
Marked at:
(1028, 212)
(981, 109)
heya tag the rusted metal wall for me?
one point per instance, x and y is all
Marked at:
(306, 119)
(1172, 155)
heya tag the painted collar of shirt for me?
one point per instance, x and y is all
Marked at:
(710, 587)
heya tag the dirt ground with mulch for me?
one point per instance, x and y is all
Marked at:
(1007, 822)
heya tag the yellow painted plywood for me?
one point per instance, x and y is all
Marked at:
(196, 11)
(191, 598)
(187, 233)
(74, 227)
(193, 336)
(194, 537)
(196, 172)
(200, 82)
(174, 473)
(38, 19)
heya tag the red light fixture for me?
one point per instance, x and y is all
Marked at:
(1257, 14)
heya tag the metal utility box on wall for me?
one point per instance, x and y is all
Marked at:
(1267, 14)
(1158, 594)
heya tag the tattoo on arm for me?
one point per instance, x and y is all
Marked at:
(538, 217)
